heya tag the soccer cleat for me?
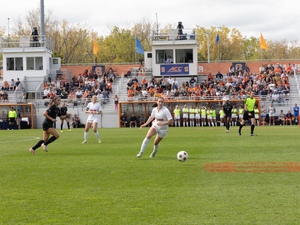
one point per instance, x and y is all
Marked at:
(139, 155)
(153, 154)
(100, 141)
(61, 131)
(44, 147)
(84, 142)
(227, 131)
(70, 130)
(253, 135)
(239, 133)
(32, 151)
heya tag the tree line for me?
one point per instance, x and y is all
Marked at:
(74, 43)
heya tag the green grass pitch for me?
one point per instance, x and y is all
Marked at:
(105, 183)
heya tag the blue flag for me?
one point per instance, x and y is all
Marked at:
(217, 39)
(138, 47)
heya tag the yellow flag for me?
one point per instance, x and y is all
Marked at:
(263, 44)
(95, 47)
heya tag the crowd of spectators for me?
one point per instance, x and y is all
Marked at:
(82, 87)
(272, 82)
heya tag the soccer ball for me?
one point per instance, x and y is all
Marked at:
(182, 156)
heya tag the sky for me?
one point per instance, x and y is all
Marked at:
(276, 20)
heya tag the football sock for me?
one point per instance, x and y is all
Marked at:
(38, 144)
(241, 126)
(252, 129)
(61, 126)
(50, 140)
(97, 135)
(68, 125)
(85, 136)
(144, 144)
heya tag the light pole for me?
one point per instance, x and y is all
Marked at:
(8, 27)
(208, 43)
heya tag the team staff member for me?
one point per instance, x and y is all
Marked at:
(227, 109)
(162, 119)
(249, 114)
(12, 115)
(50, 118)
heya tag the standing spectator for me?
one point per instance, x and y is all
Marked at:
(12, 116)
(19, 118)
(162, 119)
(249, 114)
(48, 129)
(116, 102)
(93, 110)
(296, 114)
(4, 119)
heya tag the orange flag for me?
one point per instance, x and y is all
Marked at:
(95, 47)
(263, 44)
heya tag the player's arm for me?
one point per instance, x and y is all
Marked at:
(148, 121)
(45, 114)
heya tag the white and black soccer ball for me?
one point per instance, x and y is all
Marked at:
(182, 156)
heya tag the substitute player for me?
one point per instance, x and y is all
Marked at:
(161, 118)
(249, 114)
(94, 110)
(176, 116)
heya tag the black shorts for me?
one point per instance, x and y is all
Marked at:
(12, 120)
(47, 125)
(247, 115)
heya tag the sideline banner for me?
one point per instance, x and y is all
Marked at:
(174, 69)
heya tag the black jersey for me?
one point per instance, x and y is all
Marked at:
(53, 112)
(63, 111)
(227, 108)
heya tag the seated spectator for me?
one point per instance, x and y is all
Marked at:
(281, 118)
(71, 97)
(12, 86)
(64, 93)
(4, 96)
(75, 121)
(289, 118)
(5, 86)
(143, 119)
(133, 121)
(193, 82)
(123, 120)
(78, 94)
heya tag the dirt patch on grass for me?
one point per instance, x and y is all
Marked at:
(254, 167)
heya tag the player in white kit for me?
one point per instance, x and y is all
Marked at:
(161, 118)
(94, 110)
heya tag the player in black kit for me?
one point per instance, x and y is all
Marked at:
(50, 117)
(64, 116)
(227, 108)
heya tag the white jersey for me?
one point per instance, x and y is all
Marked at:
(162, 115)
(94, 108)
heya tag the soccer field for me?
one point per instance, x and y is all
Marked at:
(228, 179)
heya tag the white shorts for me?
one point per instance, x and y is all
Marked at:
(192, 116)
(256, 116)
(221, 117)
(197, 116)
(203, 116)
(233, 116)
(185, 116)
(176, 117)
(93, 119)
(160, 132)
(209, 117)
